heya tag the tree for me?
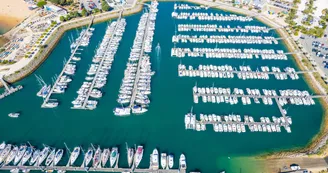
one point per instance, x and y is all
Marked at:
(104, 6)
(84, 12)
(41, 4)
(62, 18)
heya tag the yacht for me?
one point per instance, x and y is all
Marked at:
(104, 157)
(163, 160)
(87, 158)
(138, 156)
(97, 158)
(35, 156)
(182, 162)
(51, 104)
(59, 154)
(154, 160)
(130, 156)
(20, 153)
(13, 115)
(74, 155)
(171, 161)
(4, 153)
(51, 157)
(2, 146)
(43, 155)
(11, 155)
(113, 156)
(121, 111)
(27, 155)
(137, 109)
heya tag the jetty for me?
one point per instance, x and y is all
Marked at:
(113, 39)
(234, 123)
(142, 53)
(8, 89)
(45, 101)
(80, 169)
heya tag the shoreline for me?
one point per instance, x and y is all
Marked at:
(136, 8)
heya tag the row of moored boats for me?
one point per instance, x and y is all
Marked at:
(223, 39)
(220, 28)
(205, 16)
(102, 61)
(136, 84)
(244, 72)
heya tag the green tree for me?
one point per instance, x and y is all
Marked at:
(54, 1)
(62, 18)
(41, 4)
(104, 6)
(84, 12)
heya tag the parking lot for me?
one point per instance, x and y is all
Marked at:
(318, 51)
(89, 5)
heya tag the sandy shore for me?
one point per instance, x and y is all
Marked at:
(12, 12)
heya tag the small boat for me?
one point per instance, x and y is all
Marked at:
(35, 156)
(182, 162)
(20, 154)
(97, 158)
(130, 156)
(154, 160)
(113, 156)
(13, 115)
(87, 158)
(171, 161)
(138, 156)
(163, 160)
(51, 157)
(11, 155)
(104, 157)
(74, 155)
(27, 155)
(59, 154)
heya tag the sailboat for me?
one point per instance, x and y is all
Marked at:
(113, 156)
(104, 157)
(74, 155)
(138, 156)
(97, 158)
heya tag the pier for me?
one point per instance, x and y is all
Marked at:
(72, 168)
(245, 72)
(234, 123)
(68, 62)
(112, 36)
(260, 96)
(8, 90)
(135, 85)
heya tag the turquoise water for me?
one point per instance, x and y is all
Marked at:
(163, 125)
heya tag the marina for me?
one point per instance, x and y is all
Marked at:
(162, 126)
(69, 68)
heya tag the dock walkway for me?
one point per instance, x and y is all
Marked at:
(100, 64)
(62, 72)
(135, 85)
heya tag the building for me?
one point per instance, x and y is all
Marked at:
(54, 9)
(259, 4)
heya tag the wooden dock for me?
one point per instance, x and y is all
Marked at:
(71, 168)
(68, 62)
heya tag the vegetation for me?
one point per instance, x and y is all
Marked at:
(62, 18)
(250, 8)
(104, 6)
(84, 12)
(2, 49)
(41, 4)
(62, 2)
